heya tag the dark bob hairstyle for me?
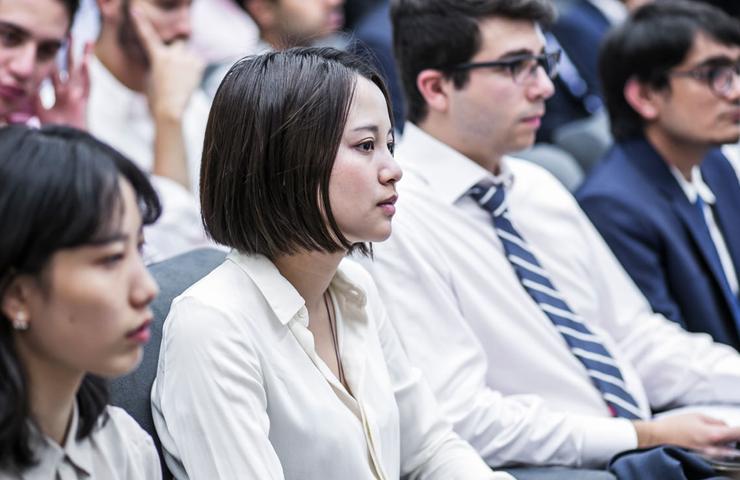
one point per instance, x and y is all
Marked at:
(59, 189)
(654, 40)
(272, 137)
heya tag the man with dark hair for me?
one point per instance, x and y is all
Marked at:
(540, 348)
(284, 24)
(33, 31)
(145, 102)
(670, 82)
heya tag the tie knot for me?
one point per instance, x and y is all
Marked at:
(490, 197)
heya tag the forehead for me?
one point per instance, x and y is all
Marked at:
(43, 19)
(501, 36)
(705, 48)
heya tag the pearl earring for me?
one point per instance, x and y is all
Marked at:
(20, 322)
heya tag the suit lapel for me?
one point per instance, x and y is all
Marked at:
(718, 175)
(644, 158)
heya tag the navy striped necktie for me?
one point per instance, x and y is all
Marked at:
(583, 343)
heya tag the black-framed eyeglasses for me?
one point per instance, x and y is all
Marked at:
(720, 77)
(523, 68)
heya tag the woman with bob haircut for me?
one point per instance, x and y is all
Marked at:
(74, 305)
(281, 363)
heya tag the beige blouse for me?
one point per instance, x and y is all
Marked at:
(118, 449)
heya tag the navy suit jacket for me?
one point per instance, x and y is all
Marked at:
(579, 31)
(660, 238)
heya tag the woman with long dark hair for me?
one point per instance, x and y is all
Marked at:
(74, 305)
(282, 363)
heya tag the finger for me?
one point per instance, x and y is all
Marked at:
(145, 29)
(725, 435)
(70, 54)
(84, 70)
(56, 79)
(711, 420)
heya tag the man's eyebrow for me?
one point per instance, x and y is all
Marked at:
(25, 34)
(717, 60)
(14, 28)
(521, 52)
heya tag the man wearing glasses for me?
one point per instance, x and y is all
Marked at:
(664, 198)
(540, 348)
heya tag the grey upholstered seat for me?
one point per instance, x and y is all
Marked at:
(131, 392)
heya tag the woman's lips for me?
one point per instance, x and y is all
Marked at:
(388, 206)
(142, 333)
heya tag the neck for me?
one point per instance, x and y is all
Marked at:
(310, 273)
(489, 159)
(52, 390)
(683, 155)
(112, 56)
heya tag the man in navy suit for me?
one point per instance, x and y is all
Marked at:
(664, 198)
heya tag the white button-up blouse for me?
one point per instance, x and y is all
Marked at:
(241, 392)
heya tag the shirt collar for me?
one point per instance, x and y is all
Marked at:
(115, 92)
(281, 295)
(448, 173)
(78, 451)
(51, 455)
(696, 187)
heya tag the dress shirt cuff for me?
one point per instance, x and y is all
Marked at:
(605, 437)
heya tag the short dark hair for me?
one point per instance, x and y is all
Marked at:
(272, 137)
(71, 6)
(59, 189)
(656, 38)
(440, 34)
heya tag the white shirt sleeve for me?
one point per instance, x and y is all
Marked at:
(505, 430)
(210, 392)
(676, 367)
(429, 448)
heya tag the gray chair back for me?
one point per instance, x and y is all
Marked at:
(132, 392)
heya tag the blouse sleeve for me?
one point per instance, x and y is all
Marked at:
(209, 390)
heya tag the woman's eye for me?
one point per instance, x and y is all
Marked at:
(368, 146)
(392, 147)
(112, 260)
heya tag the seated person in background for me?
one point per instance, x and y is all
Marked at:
(579, 31)
(145, 102)
(33, 32)
(281, 363)
(540, 348)
(283, 24)
(74, 305)
(664, 198)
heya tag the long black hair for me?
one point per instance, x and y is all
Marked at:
(59, 188)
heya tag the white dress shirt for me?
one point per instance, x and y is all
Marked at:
(241, 392)
(120, 117)
(697, 188)
(118, 449)
(502, 372)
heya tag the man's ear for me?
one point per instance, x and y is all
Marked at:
(262, 12)
(644, 99)
(435, 88)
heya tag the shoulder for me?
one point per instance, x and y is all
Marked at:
(126, 446)
(614, 179)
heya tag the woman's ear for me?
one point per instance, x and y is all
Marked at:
(14, 303)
